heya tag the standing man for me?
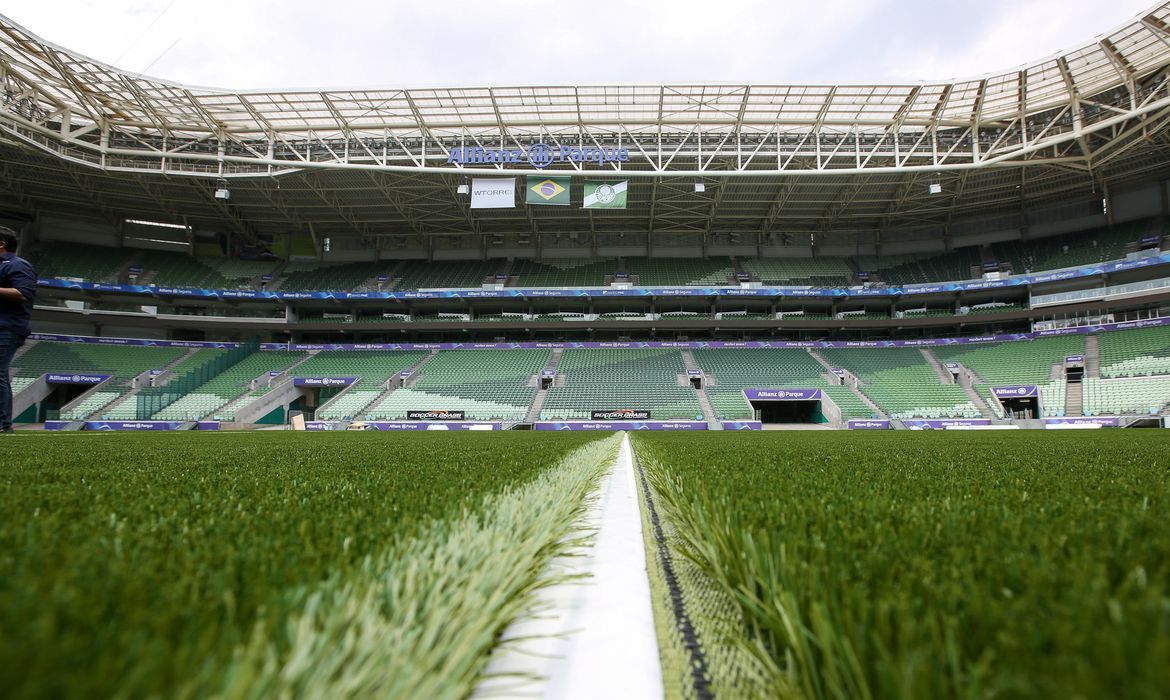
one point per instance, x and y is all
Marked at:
(18, 289)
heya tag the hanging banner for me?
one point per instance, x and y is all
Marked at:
(548, 190)
(605, 195)
(493, 193)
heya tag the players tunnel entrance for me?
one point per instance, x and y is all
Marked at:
(1022, 409)
(786, 406)
(1019, 402)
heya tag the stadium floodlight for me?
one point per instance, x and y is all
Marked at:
(159, 224)
(700, 187)
(463, 189)
(223, 193)
(934, 188)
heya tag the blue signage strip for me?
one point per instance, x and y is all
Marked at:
(601, 292)
(683, 344)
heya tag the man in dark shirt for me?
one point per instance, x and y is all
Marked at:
(18, 289)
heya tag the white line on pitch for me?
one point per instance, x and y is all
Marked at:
(593, 638)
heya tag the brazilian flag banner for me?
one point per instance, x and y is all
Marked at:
(548, 190)
(605, 195)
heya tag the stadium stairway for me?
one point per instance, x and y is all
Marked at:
(712, 418)
(1074, 399)
(853, 382)
(944, 376)
(254, 404)
(1092, 357)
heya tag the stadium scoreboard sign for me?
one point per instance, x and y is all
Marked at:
(539, 156)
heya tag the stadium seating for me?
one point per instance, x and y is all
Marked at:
(179, 270)
(1015, 363)
(93, 402)
(610, 379)
(1070, 250)
(349, 277)
(734, 370)
(451, 274)
(233, 382)
(122, 361)
(570, 272)
(918, 269)
(1129, 395)
(679, 272)
(373, 368)
(88, 262)
(241, 272)
(831, 272)
(484, 384)
(1134, 353)
(902, 383)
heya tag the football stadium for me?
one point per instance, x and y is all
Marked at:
(678, 390)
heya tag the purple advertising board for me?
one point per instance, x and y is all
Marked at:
(868, 424)
(54, 378)
(323, 381)
(548, 372)
(943, 423)
(694, 372)
(621, 425)
(1015, 392)
(1074, 360)
(1103, 421)
(839, 371)
(132, 424)
(951, 365)
(405, 374)
(742, 425)
(782, 394)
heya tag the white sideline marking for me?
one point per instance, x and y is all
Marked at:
(592, 638)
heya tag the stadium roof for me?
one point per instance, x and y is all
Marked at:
(780, 158)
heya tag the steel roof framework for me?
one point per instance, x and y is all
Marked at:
(374, 162)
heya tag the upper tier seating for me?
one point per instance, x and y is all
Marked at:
(679, 272)
(920, 269)
(1070, 250)
(902, 383)
(484, 384)
(179, 270)
(416, 274)
(88, 262)
(611, 379)
(569, 272)
(241, 271)
(830, 272)
(346, 277)
(1134, 353)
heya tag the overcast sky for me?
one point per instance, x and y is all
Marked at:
(391, 43)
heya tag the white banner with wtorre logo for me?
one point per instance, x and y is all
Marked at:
(493, 193)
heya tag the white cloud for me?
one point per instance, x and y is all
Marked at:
(298, 43)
